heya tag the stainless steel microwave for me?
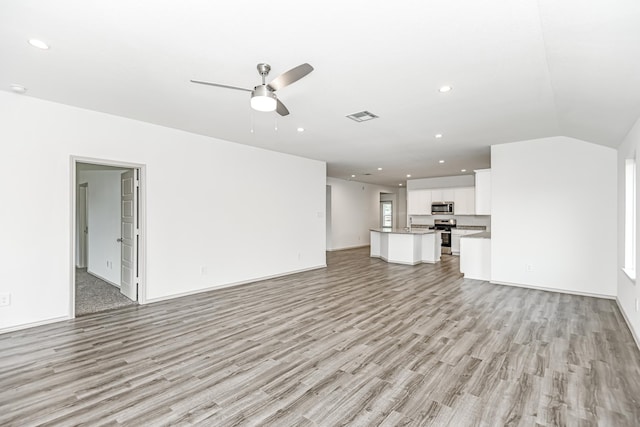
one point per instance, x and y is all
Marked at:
(442, 208)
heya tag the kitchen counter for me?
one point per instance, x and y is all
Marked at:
(471, 227)
(403, 230)
(401, 246)
(482, 235)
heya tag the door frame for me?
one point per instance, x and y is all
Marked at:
(142, 221)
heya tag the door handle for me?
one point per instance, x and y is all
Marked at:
(119, 240)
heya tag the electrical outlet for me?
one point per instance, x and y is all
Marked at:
(203, 270)
(528, 268)
(5, 299)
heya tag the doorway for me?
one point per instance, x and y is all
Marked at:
(387, 210)
(386, 214)
(108, 219)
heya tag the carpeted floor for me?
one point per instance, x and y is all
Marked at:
(93, 294)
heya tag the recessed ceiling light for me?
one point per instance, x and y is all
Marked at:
(379, 169)
(353, 176)
(39, 44)
(438, 135)
(463, 170)
(400, 185)
(18, 88)
(300, 129)
(408, 175)
(444, 89)
(440, 161)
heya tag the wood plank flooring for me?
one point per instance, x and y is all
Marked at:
(361, 343)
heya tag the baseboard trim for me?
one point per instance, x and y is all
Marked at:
(348, 247)
(629, 325)
(229, 285)
(34, 324)
(560, 291)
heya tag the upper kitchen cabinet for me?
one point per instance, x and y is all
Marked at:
(419, 202)
(483, 192)
(464, 201)
(443, 195)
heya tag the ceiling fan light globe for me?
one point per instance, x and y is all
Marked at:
(262, 99)
(263, 103)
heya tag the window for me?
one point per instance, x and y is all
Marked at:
(630, 218)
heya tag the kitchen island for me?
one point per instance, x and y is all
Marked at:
(403, 246)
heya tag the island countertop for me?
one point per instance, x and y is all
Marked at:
(482, 235)
(403, 230)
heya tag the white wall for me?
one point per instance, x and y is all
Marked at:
(238, 212)
(103, 215)
(355, 208)
(628, 290)
(553, 208)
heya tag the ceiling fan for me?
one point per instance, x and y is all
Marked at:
(263, 97)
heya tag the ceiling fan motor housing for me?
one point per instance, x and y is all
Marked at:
(264, 69)
(263, 99)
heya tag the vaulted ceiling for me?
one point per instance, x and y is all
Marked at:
(520, 69)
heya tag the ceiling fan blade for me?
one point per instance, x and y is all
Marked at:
(219, 85)
(281, 109)
(291, 76)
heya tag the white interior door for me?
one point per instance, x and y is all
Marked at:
(83, 228)
(128, 236)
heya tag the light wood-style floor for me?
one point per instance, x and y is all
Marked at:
(361, 343)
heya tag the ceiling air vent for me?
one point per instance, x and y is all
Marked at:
(362, 116)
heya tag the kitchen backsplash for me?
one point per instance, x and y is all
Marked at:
(484, 220)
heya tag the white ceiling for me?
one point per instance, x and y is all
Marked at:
(520, 69)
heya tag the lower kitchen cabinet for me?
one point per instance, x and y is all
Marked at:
(455, 239)
(475, 256)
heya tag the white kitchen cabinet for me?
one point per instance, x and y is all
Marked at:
(483, 192)
(455, 243)
(455, 239)
(443, 195)
(419, 202)
(475, 257)
(464, 201)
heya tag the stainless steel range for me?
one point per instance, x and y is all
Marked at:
(445, 225)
